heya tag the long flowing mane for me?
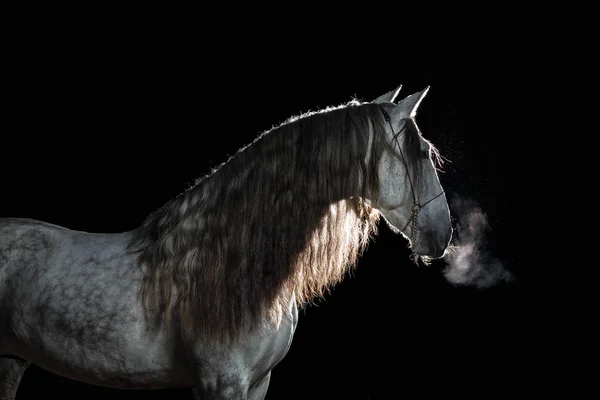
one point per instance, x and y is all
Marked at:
(281, 219)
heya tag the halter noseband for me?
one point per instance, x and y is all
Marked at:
(416, 205)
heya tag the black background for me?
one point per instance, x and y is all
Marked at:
(100, 131)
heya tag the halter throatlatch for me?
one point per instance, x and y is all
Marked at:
(414, 219)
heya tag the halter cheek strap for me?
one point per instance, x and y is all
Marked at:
(416, 205)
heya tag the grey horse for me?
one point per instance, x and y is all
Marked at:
(205, 292)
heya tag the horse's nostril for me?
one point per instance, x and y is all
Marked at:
(430, 237)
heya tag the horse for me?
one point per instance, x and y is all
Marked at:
(205, 292)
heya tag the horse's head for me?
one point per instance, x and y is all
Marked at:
(411, 198)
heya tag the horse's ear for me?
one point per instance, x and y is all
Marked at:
(407, 107)
(389, 97)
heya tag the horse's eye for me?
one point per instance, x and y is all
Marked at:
(425, 154)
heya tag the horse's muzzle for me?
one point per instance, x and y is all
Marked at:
(434, 244)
